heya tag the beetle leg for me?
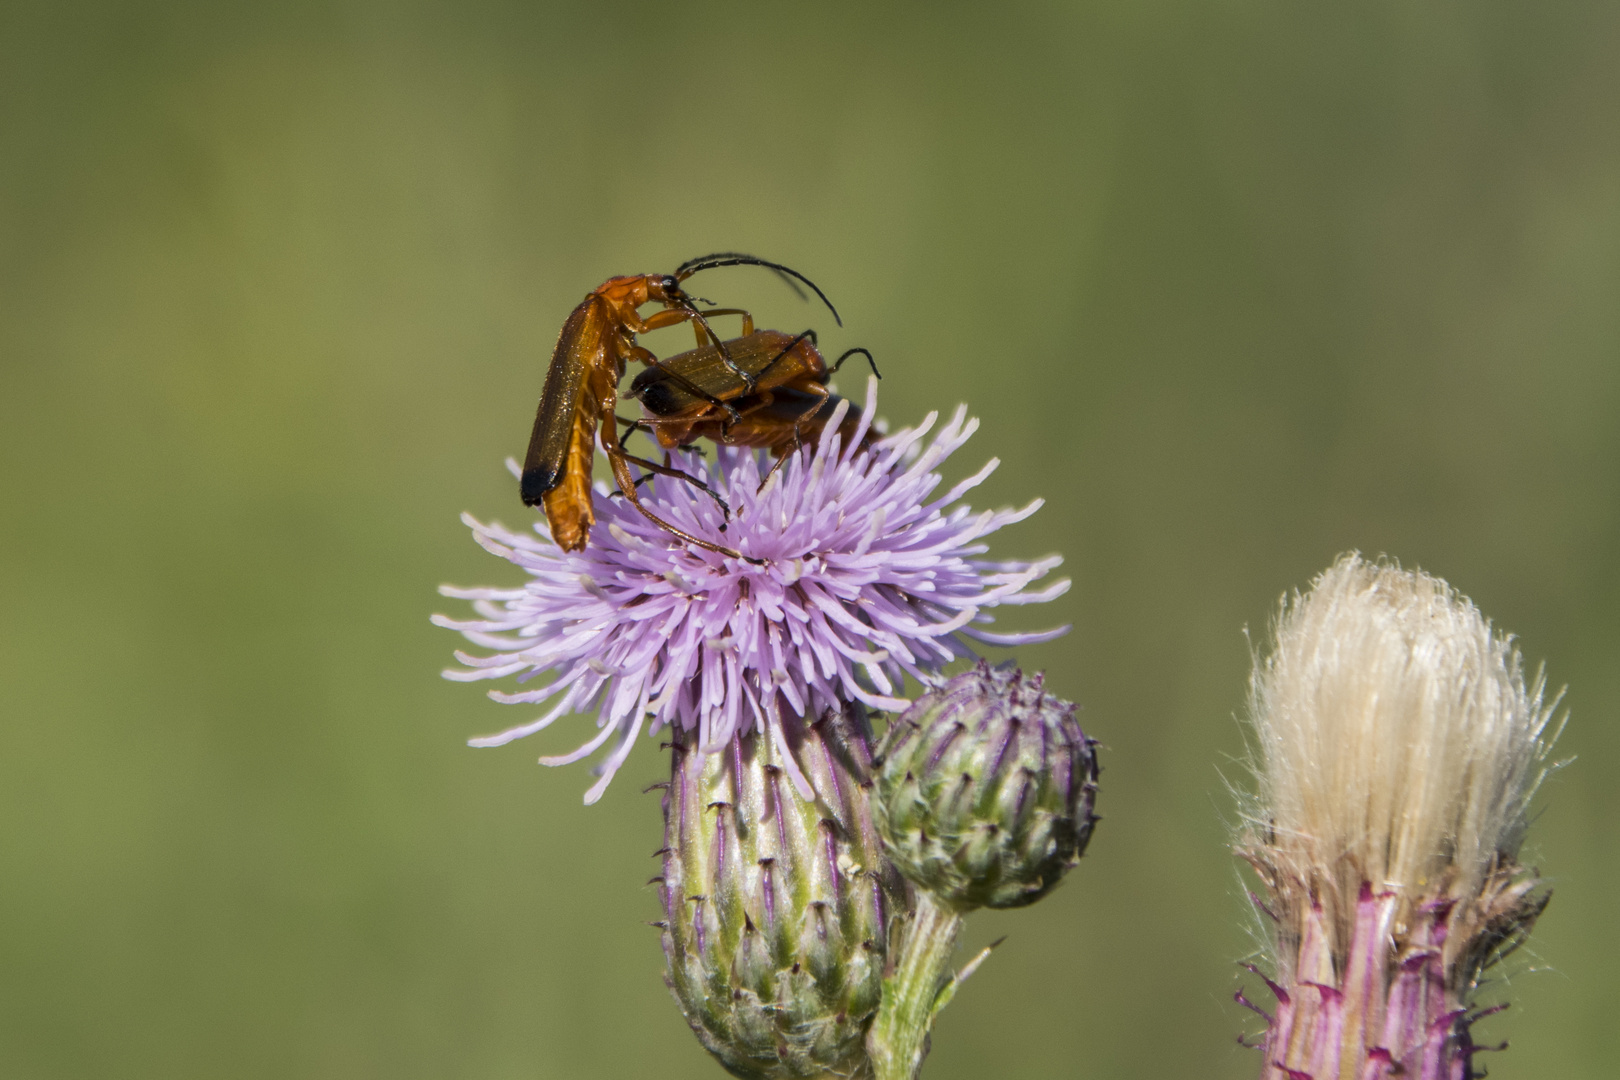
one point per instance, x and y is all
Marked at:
(799, 426)
(781, 461)
(668, 317)
(627, 486)
(630, 428)
(639, 481)
(620, 462)
(668, 470)
(709, 313)
(809, 386)
(671, 432)
(782, 458)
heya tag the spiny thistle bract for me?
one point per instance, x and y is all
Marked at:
(1397, 746)
(776, 909)
(985, 790)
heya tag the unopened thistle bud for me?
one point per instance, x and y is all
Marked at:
(985, 790)
(1397, 745)
(776, 907)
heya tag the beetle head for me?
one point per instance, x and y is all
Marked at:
(665, 289)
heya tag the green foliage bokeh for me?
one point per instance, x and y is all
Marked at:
(1235, 286)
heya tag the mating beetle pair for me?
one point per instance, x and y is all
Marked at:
(764, 389)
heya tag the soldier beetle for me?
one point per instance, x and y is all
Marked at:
(695, 395)
(582, 384)
(787, 421)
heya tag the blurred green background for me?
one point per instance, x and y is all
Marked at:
(1236, 286)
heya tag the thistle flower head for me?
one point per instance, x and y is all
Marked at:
(862, 576)
(985, 790)
(777, 910)
(1398, 739)
(1397, 745)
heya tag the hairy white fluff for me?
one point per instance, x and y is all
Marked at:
(1397, 740)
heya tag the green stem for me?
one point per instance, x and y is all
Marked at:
(914, 991)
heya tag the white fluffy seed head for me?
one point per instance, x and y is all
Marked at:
(1397, 740)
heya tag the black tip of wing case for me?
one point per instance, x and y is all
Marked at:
(535, 484)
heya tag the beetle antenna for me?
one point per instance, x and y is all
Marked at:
(851, 352)
(683, 270)
(737, 258)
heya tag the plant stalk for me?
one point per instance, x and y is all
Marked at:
(914, 992)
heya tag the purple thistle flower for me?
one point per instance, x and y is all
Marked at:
(862, 579)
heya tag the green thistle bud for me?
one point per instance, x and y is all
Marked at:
(985, 790)
(777, 907)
